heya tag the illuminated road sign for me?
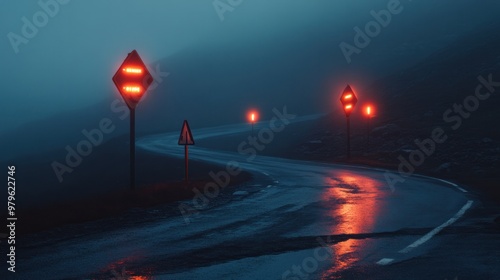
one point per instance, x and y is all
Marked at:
(132, 79)
(348, 100)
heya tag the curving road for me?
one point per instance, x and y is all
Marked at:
(297, 219)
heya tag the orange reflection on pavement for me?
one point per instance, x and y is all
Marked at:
(355, 212)
(139, 278)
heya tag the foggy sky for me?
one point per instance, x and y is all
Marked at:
(69, 63)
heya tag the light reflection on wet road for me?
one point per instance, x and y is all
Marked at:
(262, 234)
(359, 199)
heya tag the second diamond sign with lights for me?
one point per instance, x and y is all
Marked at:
(348, 100)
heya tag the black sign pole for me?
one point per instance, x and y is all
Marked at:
(132, 149)
(186, 159)
(348, 138)
(368, 136)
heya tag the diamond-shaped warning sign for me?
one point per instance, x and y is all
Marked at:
(132, 79)
(348, 100)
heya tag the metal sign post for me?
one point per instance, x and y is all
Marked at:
(132, 80)
(186, 139)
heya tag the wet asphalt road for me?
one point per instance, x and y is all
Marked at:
(296, 220)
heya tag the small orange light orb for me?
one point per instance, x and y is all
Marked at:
(253, 116)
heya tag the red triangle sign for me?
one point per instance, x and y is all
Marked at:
(132, 79)
(186, 138)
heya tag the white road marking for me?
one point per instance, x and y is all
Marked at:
(267, 174)
(429, 235)
(453, 184)
(447, 182)
(433, 232)
(463, 190)
(385, 261)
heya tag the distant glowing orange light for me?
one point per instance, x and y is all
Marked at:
(369, 110)
(131, 70)
(347, 107)
(348, 96)
(132, 89)
(252, 116)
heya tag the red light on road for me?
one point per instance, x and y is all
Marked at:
(348, 107)
(131, 70)
(253, 116)
(369, 110)
(349, 96)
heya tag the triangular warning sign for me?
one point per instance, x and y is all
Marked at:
(186, 138)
